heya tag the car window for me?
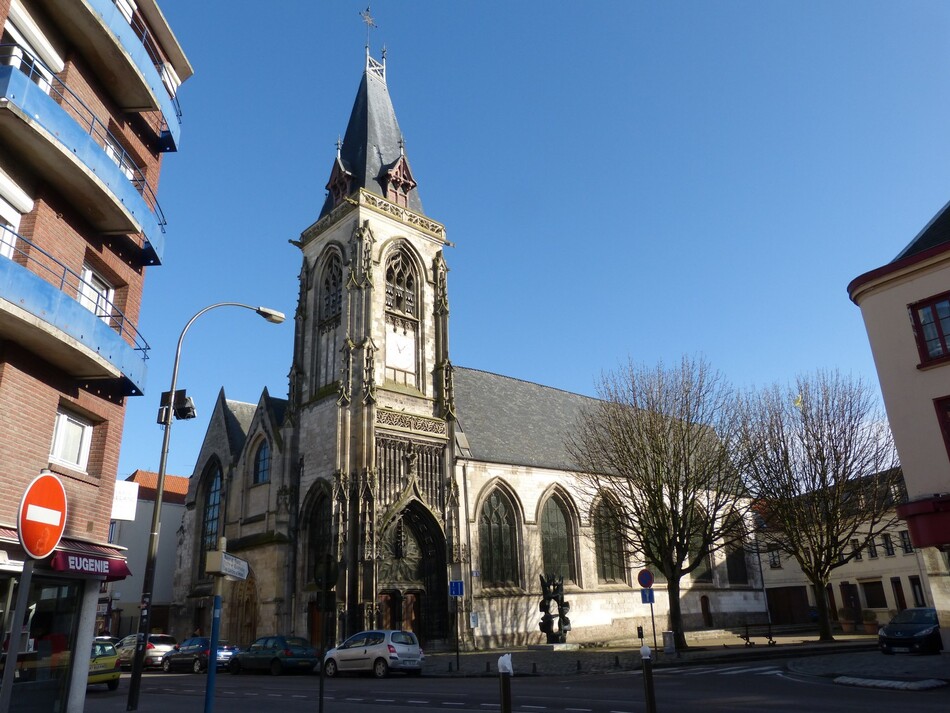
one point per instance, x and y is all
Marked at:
(259, 644)
(376, 637)
(404, 637)
(162, 640)
(297, 642)
(128, 641)
(354, 641)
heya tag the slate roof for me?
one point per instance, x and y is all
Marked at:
(936, 232)
(371, 144)
(237, 418)
(516, 422)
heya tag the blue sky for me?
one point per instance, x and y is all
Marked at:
(620, 179)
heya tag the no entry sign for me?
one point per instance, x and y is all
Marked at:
(42, 516)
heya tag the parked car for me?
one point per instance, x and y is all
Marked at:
(277, 654)
(911, 631)
(104, 665)
(155, 648)
(192, 655)
(378, 651)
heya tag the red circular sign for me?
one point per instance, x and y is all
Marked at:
(42, 516)
(645, 578)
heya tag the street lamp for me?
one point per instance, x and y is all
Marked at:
(148, 577)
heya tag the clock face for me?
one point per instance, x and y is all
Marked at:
(401, 349)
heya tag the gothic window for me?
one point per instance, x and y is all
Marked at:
(498, 541)
(319, 543)
(401, 319)
(607, 544)
(262, 463)
(329, 308)
(736, 569)
(211, 514)
(556, 543)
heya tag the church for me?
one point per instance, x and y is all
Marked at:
(392, 488)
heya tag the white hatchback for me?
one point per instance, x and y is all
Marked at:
(378, 651)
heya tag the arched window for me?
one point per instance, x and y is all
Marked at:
(262, 463)
(557, 549)
(211, 515)
(608, 545)
(402, 323)
(736, 568)
(319, 543)
(329, 307)
(498, 541)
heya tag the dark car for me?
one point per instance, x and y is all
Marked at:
(192, 655)
(911, 631)
(155, 648)
(277, 654)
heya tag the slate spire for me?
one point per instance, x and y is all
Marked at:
(372, 155)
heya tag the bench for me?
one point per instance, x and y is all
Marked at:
(757, 630)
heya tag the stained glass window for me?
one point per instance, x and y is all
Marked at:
(262, 463)
(212, 511)
(556, 544)
(609, 548)
(498, 544)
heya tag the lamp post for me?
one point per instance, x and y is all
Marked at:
(148, 576)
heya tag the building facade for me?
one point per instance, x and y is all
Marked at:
(391, 478)
(87, 111)
(906, 309)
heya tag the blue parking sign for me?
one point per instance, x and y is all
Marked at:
(456, 588)
(646, 596)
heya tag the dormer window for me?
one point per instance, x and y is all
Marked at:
(340, 183)
(399, 182)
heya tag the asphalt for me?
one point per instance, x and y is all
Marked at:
(851, 659)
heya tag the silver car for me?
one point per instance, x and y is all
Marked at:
(156, 647)
(379, 651)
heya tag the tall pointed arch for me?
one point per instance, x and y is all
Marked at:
(608, 544)
(328, 308)
(403, 299)
(211, 502)
(557, 523)
(498, 541)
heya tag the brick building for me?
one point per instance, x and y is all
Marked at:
(88, 109)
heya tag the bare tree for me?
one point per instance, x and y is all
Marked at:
(820, 462)
(659, 443)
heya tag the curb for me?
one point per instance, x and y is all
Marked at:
(923, 685)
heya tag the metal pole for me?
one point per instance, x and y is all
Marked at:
(647, 659)
(148, 575)
(505, 682)
(213, 648)
(653, 621)
(458, 604)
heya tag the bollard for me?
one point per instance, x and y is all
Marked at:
(645, 655)
(450, 667)
(534, 667)
(616, 662)
(578, 664)
(504, 680)
(488, 667)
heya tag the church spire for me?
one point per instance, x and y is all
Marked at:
(372, 156)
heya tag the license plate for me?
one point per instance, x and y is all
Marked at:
(412, 662)
(901, 649)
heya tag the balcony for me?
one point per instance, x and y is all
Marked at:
(40, 310)
(124, 57)
(60, 137)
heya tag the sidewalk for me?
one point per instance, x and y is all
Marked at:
(852, 659)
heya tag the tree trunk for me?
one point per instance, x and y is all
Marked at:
(676, 613)
(824, 616)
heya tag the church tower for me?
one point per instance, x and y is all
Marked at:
(371, 409)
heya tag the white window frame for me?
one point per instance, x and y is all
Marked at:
(96, 294)
(119, 157)
(65, 420)
(9, 219)
(127, 8)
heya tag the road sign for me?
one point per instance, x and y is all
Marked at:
(646, 596)
(645, 578)
(456, 588)
(218, 562)
(42, 515)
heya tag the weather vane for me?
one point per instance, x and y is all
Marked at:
(369, 22)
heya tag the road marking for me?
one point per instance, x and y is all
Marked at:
(748, 670)
(452, 703)
(540, 708)
(417, 702)
(582, 710)
(384, 700)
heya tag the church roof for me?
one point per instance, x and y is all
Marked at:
(238, 416)
(373, 143)
(516, 422)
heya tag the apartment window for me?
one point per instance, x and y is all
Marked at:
(917, 590)
(872, 548)
(96, 294)
(119, 157)
(874, 596)
(20, 52)
(7, 238)
(126, 7)
(888, 545)
(775, 558)
(906, 545)
(856, 548)
(932, 327)
(71, 438)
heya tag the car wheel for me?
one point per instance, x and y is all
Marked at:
(380, 668)
(113, 684)
(330, 667)
(166, 665)
(275, 668)
(234, 666)
(196, 666)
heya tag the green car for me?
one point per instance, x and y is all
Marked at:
(277, 654)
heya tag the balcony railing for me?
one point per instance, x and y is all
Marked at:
(148, 42)
(39, 74)
(53, 271)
